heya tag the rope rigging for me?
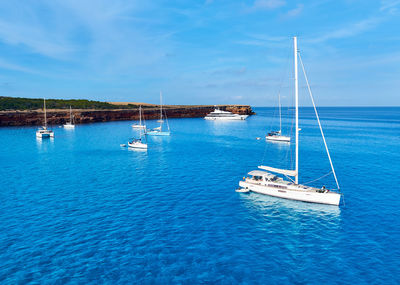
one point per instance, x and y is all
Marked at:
(319, 123)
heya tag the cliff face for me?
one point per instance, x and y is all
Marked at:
(59, 117)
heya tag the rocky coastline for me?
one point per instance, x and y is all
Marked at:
(82, 116)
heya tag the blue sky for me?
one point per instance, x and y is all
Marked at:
(201, 52)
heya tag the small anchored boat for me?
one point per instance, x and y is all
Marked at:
(44, 132)
(139, 126)
(277, 135)
(242, 190)
(137, 143)
(159, 130)
(70, 124)
(140, 142)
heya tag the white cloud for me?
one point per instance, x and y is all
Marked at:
(295, 11)
(349, 31)
(389, 5)
(268, 4)
(35, 38)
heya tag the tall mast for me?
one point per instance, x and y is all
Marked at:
(296, 88)
(280, 114)
(160, 105)
(140, 115)
(70, 114)
(44, 107)
(140, 121)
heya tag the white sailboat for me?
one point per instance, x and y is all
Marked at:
(277, 135)
(70, 124)
(159, 130)
(141, 142)
(139, 126)
(44, 132)
(264, 182)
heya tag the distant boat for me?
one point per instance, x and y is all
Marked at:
(44, 132)
(264, 182)
(277, 135)
(139, 126)
(70, 124)
(141, 141)
(137, 143)
(159, 130)
(218, 114)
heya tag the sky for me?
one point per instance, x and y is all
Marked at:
(201, 52)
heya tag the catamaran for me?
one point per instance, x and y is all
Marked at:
(159, 131)
(265, 182)
(277, 135)
(139, 126)
(141, 141)
(44, 132)
(70, 124)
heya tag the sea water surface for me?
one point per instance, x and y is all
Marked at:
(82, 209)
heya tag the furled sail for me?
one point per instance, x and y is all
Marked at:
(280, 171)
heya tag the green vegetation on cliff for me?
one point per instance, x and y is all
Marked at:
(15, 103)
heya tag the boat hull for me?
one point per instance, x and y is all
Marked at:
(137, 145)
(138, 127)
(69, 126)
(329, 198)
(235, 118)
(154, 133)
(278, 138)
(45, 135)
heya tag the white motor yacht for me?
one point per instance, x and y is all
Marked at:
(218, 114)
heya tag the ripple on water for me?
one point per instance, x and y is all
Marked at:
(83, 210)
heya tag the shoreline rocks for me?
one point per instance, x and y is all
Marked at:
(59, 117)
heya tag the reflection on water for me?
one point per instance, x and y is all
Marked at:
(262, 204)
(72, 201)
(279, 145)
(224, 127)
(143, 150)
(44, 144)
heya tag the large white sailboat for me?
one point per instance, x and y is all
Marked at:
(140, 142)
(277, 135)
(44, 132)
(159, 130)
(70, 124)
(265, 182)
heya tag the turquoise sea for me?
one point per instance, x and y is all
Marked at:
(80, 209)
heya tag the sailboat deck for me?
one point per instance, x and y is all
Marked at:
(285, 185)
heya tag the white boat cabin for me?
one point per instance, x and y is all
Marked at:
(268, 179)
